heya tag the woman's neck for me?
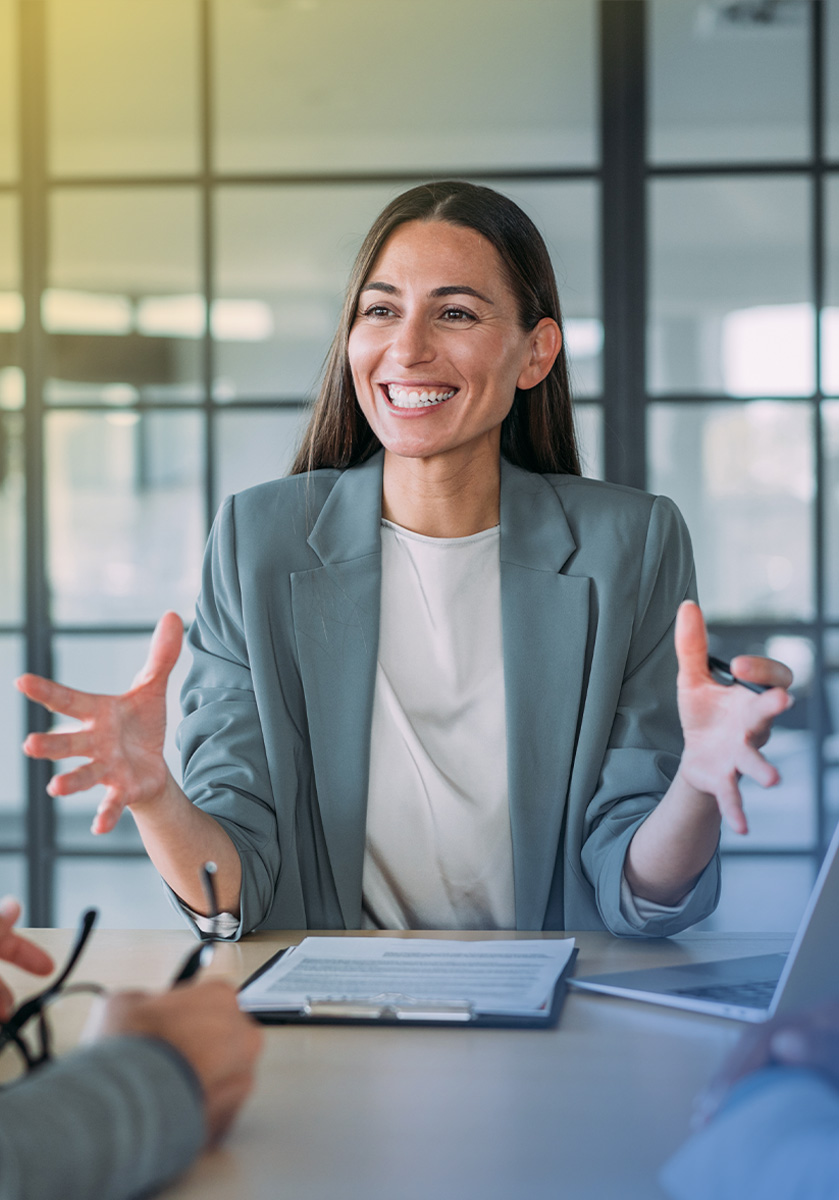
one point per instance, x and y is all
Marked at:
(442, 497)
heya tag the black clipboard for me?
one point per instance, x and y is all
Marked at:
(409, 1016)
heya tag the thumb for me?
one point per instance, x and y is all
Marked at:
(164, 651)
(691, 645)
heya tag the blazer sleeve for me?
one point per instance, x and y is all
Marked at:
(645, 743)
(225, 767)
(112, 1121)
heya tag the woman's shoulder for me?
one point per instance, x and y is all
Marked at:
(593, 504)
(304, 493)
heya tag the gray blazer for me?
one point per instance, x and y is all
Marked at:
(278, 703)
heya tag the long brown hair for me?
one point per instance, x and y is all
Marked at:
(538, 432)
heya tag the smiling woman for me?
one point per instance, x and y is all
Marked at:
(434, 670)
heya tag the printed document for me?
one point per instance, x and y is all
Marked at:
(510, 978)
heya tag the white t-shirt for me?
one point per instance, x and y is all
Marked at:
(438, 846)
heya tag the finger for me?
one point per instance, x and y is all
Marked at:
(79, 780)
(16, 949)
(164, 651)
(55, 697)
(817, 1048)
(76, 744)
(731, 804)
(691, 645)
(766, 671)
(752, 763)
(7, 1002)
(9, 913)
(107, 814)
(749, 1055)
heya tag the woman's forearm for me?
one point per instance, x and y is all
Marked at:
(671, 849)
(179, 839)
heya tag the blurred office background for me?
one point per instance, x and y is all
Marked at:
(183, 185)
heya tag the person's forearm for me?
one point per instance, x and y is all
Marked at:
(671, 849)
(179, 839)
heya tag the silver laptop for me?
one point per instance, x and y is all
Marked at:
(754, 988)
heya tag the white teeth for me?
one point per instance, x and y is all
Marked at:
(402, 397)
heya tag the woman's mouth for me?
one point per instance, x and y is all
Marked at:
(417, 396)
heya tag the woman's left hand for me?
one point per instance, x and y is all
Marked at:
(725, 726)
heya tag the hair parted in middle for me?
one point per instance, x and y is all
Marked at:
(538, 432)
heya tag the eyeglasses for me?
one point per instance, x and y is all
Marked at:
(202, 955)
(34, 1009)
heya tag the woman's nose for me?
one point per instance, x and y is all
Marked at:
(413, 341)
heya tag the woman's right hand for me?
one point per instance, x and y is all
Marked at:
(121, 736)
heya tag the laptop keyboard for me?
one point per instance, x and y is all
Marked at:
(749, 995)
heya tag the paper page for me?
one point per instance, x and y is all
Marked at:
(494, 977)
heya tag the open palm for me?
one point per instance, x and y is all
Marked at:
(121, 736)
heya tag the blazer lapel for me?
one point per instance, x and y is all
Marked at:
(544, 628)
(336, 623)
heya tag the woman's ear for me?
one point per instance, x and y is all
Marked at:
(545, 344)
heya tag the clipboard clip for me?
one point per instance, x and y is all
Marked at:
(386, 1007)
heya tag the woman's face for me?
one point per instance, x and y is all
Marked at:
(436, 349)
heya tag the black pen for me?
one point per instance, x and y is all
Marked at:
(719, 667)
(202, 955)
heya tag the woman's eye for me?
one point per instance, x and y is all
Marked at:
(377, 310)
(457, 315)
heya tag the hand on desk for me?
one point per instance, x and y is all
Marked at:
(122, 736)
(17, 950)
(807, 1038)
(203, 1022)
(725, 726)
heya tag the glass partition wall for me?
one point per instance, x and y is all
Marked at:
(183, 185)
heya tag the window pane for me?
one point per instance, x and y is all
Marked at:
(8, 90)
(830, 313)
(567, 215)
(831, 742)
(14, 875)
(831, 61)
(588, 419)
(11, 305)
(728, 82)
(126, 514)
(123, 94)
(413, 86)
(12, 495)
(12, 733)
(730, 290)
(98, 663)
(743, 476)
(830, 441)
(127, 892)
(123, 306)
(762, 895)
(254, 447)
(284, 257)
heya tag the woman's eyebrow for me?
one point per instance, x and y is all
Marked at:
(451, 289)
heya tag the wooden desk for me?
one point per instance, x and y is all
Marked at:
(588, 1111)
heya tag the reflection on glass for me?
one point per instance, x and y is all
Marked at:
(123, 307)
(8, 90)
(127, 891)
(762, 895)
(588, 419)
(123, 94)
(830, 446)
(12, 733)
(743, 477)
(729, 270)
(830, 313)
(12, 495)
(728, 82)
(831, 64)
(331, 86)
(254, 447)
(125, 511)
(831, 741)
(107, 664)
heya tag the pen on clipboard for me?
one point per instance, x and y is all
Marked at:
(202, 955)
(723, 669)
